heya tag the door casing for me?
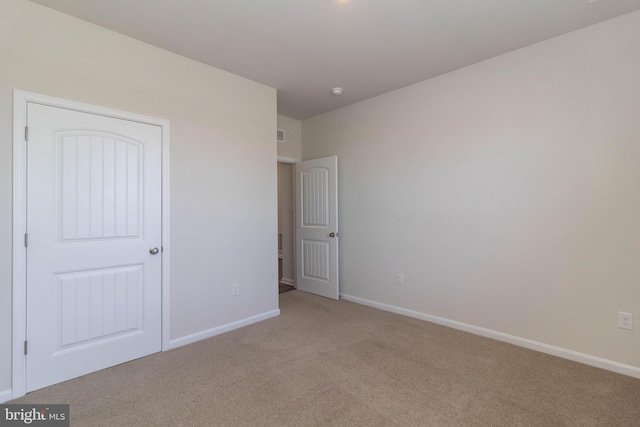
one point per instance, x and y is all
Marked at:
(19, 278)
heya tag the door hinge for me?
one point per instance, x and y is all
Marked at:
(26, 133)
(26, 240)
(25, 347)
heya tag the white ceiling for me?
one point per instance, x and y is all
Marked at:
(303, 48)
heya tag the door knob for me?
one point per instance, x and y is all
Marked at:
(332, 234)
(153, 250)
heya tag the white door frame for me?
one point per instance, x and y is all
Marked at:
(19, 279)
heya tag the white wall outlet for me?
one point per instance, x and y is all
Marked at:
(399, 279)
(235, 289)
(625, 320)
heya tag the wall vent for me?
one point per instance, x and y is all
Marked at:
(280, 135)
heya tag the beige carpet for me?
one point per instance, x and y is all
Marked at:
(335, 363)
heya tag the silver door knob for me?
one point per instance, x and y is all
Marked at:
(332, 234)
(153, 250)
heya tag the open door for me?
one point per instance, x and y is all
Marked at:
(317, 226)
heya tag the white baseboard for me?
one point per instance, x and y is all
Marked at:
(179, 342)
(564, 353)
(286, 281)
(5, 396)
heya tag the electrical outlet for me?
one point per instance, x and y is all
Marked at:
(399, 279)
(235, 289)
(625, 320)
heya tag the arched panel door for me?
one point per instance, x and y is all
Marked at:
(317, 227)
(93, 220)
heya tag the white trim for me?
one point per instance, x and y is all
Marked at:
(6, 395)
(19, 279)
(284, 159)
(166, 245)
(564, 353)
(19, 270)
(190, 339)
(289, 282)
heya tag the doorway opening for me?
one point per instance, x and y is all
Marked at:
(286, 229)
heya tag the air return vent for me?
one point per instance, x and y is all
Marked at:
(280, 135)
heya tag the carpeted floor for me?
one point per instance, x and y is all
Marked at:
(335, 363)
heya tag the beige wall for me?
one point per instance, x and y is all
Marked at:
(223, 158)
(291, 148)
(507, 192)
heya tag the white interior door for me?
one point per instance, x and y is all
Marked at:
(317, 226)
(93, 217)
